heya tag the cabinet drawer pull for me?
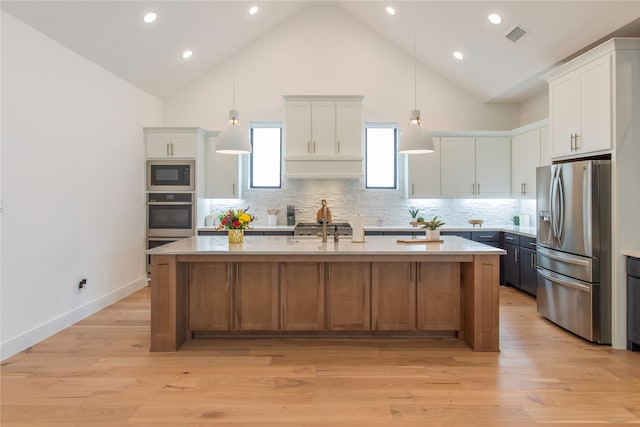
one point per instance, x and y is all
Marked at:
(532, 243)
(168, 153)
(533, 261)
(515, 255)
(510, 238)
(314, 147)
(172, 148)
(233, 189)
(338, 147)
(309, 147)
(413, 188)
(485, 237)
(478, 189)
(524, 188)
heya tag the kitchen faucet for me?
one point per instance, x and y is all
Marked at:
(324, 221)
(324, 215)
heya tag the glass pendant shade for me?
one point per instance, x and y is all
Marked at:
(415, 139)
(233, 139)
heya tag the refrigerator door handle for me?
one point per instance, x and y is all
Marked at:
(563, 281)
(560, 226)
(552, 205)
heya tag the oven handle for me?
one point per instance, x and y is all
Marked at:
(169, 203)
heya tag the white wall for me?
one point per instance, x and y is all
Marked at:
(323, 51)
(72, 173)
(535, 108)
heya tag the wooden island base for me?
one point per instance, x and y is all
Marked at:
(405, 294)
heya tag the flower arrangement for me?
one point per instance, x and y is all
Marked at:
(433, 224)
(235, 220)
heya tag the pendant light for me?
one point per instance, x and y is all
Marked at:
(415, 139)
(233, 139)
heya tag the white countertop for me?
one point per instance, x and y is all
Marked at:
(525, 231)
(631, 253)
(293, 245)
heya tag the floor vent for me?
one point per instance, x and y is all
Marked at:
(516, 34)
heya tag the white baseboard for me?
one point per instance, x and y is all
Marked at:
(34, 335)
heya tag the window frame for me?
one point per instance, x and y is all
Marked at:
(381, 125)
(262, 125)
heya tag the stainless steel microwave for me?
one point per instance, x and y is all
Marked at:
(170, 175)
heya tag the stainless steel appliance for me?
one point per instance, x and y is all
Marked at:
(574, 247)
(170, 175)
(170, 215)
(315, 229)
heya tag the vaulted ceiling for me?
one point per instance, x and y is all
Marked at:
(494, 69)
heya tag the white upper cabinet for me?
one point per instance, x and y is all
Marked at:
(525, 158)
(424, 174)
(458, 163)
(222, 172)
(493, 166)
(323, 127)
(178, 143)
(476, 166)
(580, 106)
(323, 136)
(349, 129)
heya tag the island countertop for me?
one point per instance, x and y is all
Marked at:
(295, 245)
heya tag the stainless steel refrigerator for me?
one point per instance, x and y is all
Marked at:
(574, 247)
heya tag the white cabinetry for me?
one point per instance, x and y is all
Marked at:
(177, 143)
(424, 174)
(580, 107)
(323, 136)
(222, 172)
(528, 146)
(475, 166)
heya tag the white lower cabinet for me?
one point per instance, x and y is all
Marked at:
(424, 174)
(475, 166)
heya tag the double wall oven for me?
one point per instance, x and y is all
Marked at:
(170, 202)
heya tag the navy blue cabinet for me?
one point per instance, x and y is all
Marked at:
(633, 303)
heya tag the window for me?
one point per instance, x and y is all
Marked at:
(381, 157)
(266, 155)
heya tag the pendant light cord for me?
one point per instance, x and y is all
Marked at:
(233, 84)
(415, 61)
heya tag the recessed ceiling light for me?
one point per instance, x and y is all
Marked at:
(458, 55)
(391, 11)
(187, 54)
(150, 17)
(494, 18)
(253, 10)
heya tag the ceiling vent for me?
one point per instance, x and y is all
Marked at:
(516, 34)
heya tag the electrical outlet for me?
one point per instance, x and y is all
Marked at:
(82, 284)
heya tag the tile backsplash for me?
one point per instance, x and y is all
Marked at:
(347, 198)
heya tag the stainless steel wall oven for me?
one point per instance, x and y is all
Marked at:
(170, 215)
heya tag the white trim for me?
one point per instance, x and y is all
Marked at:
(34, 335)
(314, 98)
(620, 43)
(471, 133)
(529, 127)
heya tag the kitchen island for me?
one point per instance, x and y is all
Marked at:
(283, 285)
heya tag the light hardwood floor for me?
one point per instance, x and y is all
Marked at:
(99, 372)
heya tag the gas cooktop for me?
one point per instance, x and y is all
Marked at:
(314, 228)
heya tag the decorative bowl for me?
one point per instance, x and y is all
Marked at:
(475, 222)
